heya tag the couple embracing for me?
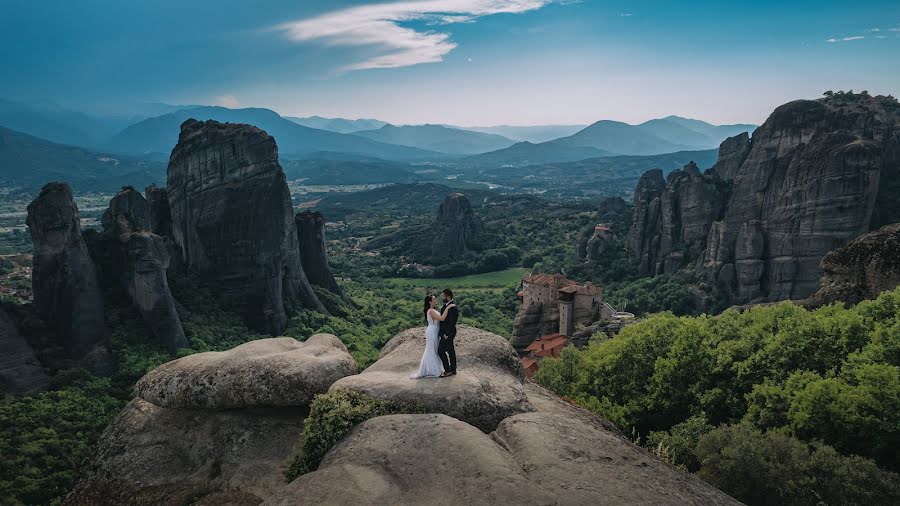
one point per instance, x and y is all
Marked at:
(439, 359)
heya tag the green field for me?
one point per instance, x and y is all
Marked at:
(498, 280)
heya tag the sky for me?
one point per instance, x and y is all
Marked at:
(464, 62)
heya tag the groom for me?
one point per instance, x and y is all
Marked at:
(446, 333)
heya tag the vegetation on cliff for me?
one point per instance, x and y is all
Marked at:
(816, 392)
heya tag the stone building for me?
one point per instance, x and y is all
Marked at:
(554, 304)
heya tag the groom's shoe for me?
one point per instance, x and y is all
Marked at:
(445, 374)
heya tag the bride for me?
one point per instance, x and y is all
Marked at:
(430, 366)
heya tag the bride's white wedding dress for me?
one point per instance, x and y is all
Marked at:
(430, 366)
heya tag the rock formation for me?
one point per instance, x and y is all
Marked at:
(865, 267)
(66, 289)
(199, 453)
(20, 370)
(313, 254)
(456, 228)
(674, 217)
(160, 215)
(137, 261)
(270, 372)
(815, 175)
(233, 221)
(540, 311)
(533, 447)
(490, 390)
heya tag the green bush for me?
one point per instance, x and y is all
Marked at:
(772, 468)
(331, 417)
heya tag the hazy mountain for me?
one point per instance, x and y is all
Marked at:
(159, 135)
(621, 138)
(692, 132)
(526, 153)
(53, 122)
(30, 162)
(438, 138)
(534, 134)
(326, 172)
(339, 125)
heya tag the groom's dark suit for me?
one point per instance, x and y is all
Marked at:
(447, 332)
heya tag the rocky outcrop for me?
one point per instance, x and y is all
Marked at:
(160, 215)
(865, 267)
(20, 370)
(233, 222)
(815, 175)
(313, 254)
(488, 388)
(269, 372)
(612, 209)
(138, 260)
(182, 446)
(671, 219)
(732, 153)
(66, 289)
(455, 229)
(531, 458)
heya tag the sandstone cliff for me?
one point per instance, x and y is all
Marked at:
(865, 267)
(66, 289)
(672, 217)
(20, 370)
(313, 254)
(138, 260)
(816, 174)
(455, 229)
(233, 222)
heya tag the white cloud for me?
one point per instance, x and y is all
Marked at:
(856, 37)
(832, 40)
(227, 101)
(874, 30)
(625, 15)
(894, 29)
(378, 26)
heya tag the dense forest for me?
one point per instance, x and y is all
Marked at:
(775, 405)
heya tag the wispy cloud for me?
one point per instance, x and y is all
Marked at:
(845, 39)
(227, 101)
(379, 26)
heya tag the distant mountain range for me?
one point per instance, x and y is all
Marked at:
(533, 134)
(28, 162)
(348, 172)
(526, 153)
(339, 125)
(438, 138)
(159, 135)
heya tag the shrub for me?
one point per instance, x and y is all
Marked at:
(772, 468)
(331, 417)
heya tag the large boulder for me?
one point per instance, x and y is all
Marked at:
(154, 455)
(487, 389)
(137, 260)
(66, 288)
(212, 428)
(269, 372)
(865, 267)
(233, 221)
(531, 458)
(20, 370)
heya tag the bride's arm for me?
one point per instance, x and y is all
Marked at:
(441, 317)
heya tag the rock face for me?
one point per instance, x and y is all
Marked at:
(488, 388)
(233, 221)
(269, 372)
(865, 267)
(672, 218)
(531, 458)
(455, 228)
(160, 215)
(313, 254)
(815, 175)
(139, 259)
(66, 289)
(20, 370)
(183, 447)
(153, 455)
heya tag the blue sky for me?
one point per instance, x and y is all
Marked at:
(469, 62)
